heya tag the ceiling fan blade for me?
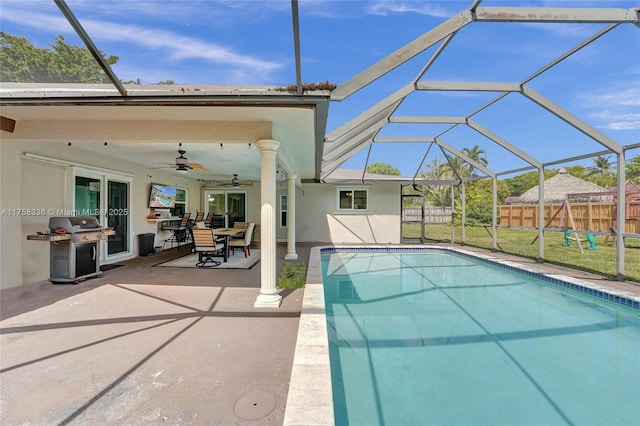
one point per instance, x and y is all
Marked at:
(167, 166)
(197, 167)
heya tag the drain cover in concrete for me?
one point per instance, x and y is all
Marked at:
(255, 405)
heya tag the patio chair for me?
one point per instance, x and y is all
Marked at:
(207, 247)
(245, 242)
(180, 233)
(199, 217)
(208, 220)
(217, 221)
(242, 227)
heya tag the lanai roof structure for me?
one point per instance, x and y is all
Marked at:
(375, 126)
(410, 113)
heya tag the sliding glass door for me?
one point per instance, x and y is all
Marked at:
(230, 205)
(107, 198)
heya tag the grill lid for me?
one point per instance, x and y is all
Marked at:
(73, 224)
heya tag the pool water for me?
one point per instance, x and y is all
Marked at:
(438, 338)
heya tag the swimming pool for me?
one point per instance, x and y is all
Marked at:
(438, 337)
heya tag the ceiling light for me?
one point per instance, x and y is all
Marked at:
(181, 169)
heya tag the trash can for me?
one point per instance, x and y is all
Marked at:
(145, 244)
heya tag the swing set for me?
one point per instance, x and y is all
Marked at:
(565, 214)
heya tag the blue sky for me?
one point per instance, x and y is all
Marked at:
(250, 42)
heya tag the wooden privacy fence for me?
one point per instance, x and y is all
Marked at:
(596, 217)
(432, 215)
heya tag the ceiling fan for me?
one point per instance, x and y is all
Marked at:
(233, 183)
(182, 164)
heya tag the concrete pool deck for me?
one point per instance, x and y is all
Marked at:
(310, 400)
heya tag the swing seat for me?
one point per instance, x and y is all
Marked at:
(568, 238)
(592, 242)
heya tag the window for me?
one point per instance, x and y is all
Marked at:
(283, 211)
(353, 199)
(181, 202)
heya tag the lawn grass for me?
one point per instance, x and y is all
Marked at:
(601, 261)
(293, 275)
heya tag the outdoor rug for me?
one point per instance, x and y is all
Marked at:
(235, 261)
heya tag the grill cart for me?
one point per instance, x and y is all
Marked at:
(75, 249)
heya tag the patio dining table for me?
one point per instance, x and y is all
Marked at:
(227, 233)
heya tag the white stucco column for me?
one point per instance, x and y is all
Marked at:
(291, 218)
(268, 297)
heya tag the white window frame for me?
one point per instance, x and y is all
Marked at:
(352, 189)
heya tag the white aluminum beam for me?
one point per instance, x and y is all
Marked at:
(503, 143)
(392, 100)
(571, 119)
(424, 157)
(440, 182)
(296, 45)
(428, 120)
(407, 139)
(433, 57)
(465, 157)
(93, 49)
(555, 14)
(401, 55)
(329, 164)
(494, 213)
(569, 53)
(467, 86)
(621, 216)
(356, 141)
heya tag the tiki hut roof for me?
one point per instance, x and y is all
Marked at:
(557, 188)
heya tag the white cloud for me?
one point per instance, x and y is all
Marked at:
(422, 8)
(614, 108)
(172, 44)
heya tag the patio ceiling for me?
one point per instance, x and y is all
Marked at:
(152, 120)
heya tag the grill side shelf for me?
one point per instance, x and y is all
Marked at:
(48, 237)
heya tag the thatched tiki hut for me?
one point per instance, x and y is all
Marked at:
(558, 187)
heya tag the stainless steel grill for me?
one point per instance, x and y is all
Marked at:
(75, 248)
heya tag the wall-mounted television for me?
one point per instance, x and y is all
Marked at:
(162, 196)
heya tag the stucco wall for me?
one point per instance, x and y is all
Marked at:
(318, 220)
(30, 184)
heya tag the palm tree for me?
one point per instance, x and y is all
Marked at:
(476, 154)
(438, 195)
(602, 168)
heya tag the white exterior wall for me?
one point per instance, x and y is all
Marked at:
(318, 220)
(29, 184)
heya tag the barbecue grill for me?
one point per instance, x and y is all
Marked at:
(75, 248)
